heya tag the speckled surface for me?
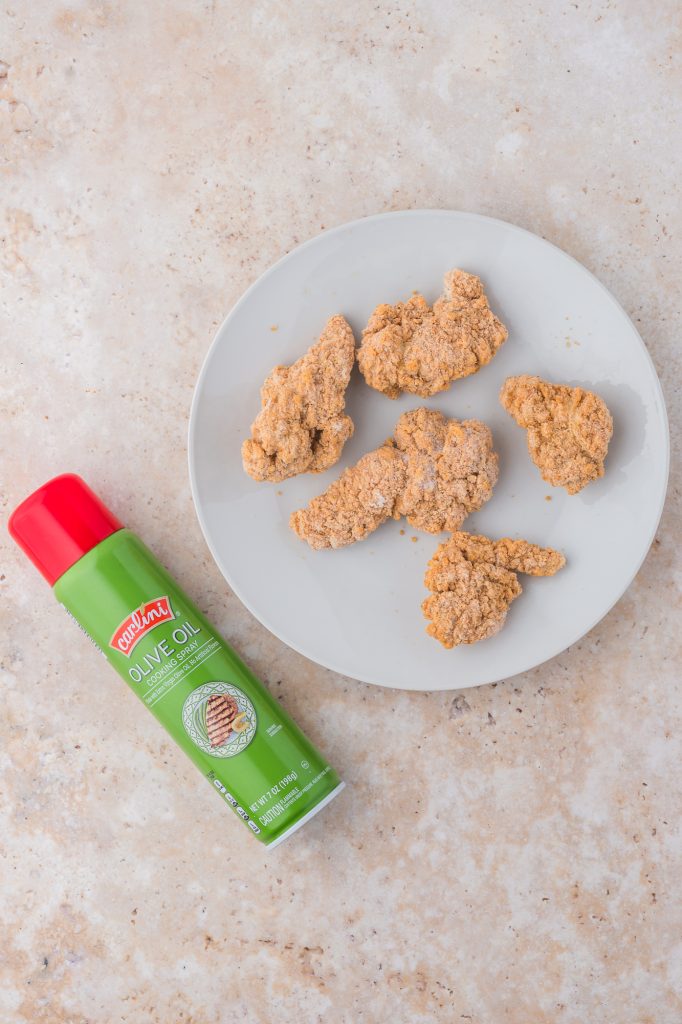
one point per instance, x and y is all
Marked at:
(521, 860)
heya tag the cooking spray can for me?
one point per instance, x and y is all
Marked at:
(226, 721)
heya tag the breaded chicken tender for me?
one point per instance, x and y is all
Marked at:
(473, 582)
(451, 469)
(353, 506)
(301, 427)
(433, 470)
(569, 429)
(412, 347)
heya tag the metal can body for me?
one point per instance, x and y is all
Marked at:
(225, 720)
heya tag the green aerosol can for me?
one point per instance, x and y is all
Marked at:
(226, 721)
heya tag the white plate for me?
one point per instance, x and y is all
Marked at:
(357, 610)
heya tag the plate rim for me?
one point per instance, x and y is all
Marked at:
(191, 439)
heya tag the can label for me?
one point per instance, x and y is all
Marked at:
(224, 719)
(220, 719)
(140, 622)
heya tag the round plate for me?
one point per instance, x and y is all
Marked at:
(357, 610)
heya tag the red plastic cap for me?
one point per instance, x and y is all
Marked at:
(59, 523)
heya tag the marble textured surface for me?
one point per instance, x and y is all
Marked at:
(520, 861)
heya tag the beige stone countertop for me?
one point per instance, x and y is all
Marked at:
(156, 156)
